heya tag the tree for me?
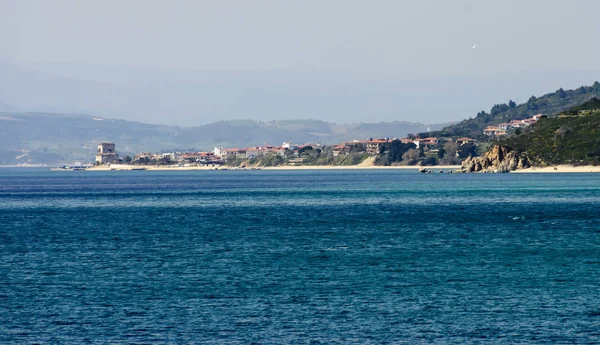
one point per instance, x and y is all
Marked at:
(512, 104)
(498, 108)
(450, 148)
(467, 150)
(532, 103)
(383, 159)
(316, 153)
(482, 114)
(441, 152)
(288, 152)
(127, 159)
(383, 148)
(581, 90)
(304, 149)
(561, 93)
(411, 157)
(142, 160)
(397, 150)
(272, 161)
(165, 160)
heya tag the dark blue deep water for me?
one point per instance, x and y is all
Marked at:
(305, 257)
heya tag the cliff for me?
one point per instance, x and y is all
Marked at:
(497, 159)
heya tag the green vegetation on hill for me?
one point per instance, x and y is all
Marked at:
(550, 104)
(590, 106)
(570, 138)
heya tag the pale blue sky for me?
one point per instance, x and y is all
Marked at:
(342, 61)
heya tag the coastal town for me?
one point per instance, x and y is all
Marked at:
(289, 153)
(415, 150)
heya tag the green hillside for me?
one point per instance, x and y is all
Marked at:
(570, 138)
(550, 104)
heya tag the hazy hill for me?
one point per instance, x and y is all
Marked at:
(193, 98)
(64, 138)
(550, 104)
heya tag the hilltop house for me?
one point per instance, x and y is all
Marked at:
(493, 130)
(425, 142)
(374, 146)
(290, 146)
(502, 128)
(340, 150)
(464, 141)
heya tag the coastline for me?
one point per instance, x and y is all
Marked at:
(122, 167)
(560, 169)
(351, 167)
(534, 170)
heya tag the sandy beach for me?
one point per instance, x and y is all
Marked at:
(561, 169)
(350, 167)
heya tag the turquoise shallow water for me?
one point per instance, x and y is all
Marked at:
(308, 257)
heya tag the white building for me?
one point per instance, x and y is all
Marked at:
(219, 152)
(290, 146)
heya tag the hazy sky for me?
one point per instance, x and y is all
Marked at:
(367, 48)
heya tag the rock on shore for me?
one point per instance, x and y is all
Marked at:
(497, 159)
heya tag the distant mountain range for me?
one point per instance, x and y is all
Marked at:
(52, 138)
(198, 97)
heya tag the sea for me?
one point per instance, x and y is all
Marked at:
(298, 257)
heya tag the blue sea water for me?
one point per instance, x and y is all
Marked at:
(298, 257)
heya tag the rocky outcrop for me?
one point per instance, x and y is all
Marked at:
(497, 159)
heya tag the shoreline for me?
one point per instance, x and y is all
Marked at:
(362, 167)
(534, 170)
(121, 167)
(559, 169)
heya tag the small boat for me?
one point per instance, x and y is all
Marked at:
(70, 168)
